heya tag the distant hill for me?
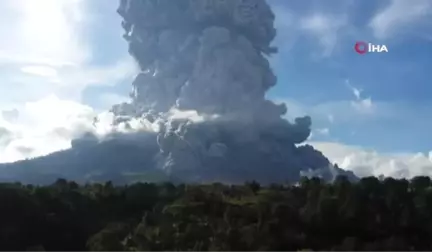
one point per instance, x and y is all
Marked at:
(126, 160)
(107, 160)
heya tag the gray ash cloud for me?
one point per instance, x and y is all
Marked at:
(211, 57)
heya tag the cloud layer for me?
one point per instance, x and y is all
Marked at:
(400, 16)
(26, 132)
(42, 127)
(367, 162)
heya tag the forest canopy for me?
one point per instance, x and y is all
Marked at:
(371, 214)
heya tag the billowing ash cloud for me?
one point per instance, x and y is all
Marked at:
(209, 57)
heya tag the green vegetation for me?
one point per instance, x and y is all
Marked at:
(368, 215)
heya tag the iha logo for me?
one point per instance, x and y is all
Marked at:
(363, 47)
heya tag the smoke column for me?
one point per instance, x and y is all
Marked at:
(203, 79)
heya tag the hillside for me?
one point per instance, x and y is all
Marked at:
(125, 161)
(368, 215)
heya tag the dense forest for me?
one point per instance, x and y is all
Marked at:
(370, 214)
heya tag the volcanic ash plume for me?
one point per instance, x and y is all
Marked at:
(203, 79)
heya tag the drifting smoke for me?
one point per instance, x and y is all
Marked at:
(201, 90)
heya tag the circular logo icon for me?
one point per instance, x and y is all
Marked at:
(361, 47)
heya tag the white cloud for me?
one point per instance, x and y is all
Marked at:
(44, 71)
(46, 64)
(42, 127)
(367, 162)
(323, 131)
(356, 92)
(326, 28)
(362, 105)
(49, 124)
(399, 16)
(319, 132)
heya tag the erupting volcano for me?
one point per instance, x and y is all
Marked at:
(199, 106)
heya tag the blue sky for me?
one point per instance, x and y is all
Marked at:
(62, 61)
(321, 69)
